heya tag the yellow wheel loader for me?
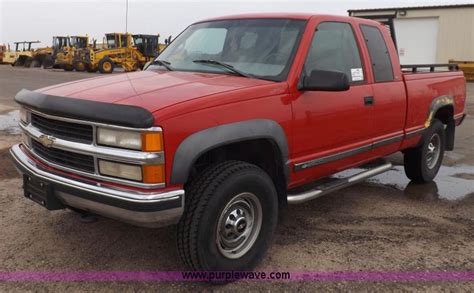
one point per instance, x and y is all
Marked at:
(65, 57)
(19, 56)
(44, 57)
(131, 52)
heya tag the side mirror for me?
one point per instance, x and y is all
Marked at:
(325, 80)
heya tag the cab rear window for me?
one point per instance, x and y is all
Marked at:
(379, 55)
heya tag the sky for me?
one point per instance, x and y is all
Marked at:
(41, 20)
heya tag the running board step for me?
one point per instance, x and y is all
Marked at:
(338, 184)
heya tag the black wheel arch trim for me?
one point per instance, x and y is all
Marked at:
(93, 111)
(191, 148)
(436, 104)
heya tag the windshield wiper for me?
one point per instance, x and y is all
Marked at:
(222, 64)
(163, 63)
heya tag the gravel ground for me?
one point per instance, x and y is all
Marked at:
(386, 224)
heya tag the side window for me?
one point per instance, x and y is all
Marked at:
(379, 55)
(334, 48)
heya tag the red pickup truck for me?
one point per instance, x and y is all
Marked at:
(238, 117)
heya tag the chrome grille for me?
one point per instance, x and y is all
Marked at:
(62, 129)
(74, 148)
(64, 158)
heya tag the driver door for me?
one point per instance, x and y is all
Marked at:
(332, 129)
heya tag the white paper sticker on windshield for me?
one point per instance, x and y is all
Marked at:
(357, 74)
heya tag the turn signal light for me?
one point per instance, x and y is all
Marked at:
(152, 142)
(154, 174)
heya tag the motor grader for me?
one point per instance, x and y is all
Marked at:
(131, 52)
(21, 53)
(65, 57)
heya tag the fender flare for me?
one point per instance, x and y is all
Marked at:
(437, 104)
(191, 148)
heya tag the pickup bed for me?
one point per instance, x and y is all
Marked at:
(232, 122)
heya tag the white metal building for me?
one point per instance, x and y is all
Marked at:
(428, 34)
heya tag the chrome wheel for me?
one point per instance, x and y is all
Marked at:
(239, 225)
(434, 150)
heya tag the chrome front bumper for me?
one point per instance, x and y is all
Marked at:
(149, 209)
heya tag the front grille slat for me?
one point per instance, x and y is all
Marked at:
(65, 158)
(62, 129)
(70, 126)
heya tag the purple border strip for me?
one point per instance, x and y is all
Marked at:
(178, 276)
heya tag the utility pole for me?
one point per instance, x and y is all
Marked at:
(126, 17)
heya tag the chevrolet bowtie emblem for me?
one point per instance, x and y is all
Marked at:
(46, 140)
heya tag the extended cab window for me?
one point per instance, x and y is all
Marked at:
(334, 48)
(379, 55)
(259, 48)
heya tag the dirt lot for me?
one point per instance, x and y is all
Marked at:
(386, 224)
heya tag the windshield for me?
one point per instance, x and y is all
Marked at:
(59, 42)
(78, 42)
(260, 48)
(111, 41)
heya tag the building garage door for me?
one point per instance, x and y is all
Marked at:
(416, 39)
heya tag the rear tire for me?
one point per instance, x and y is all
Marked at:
(80, 66)
(28, 62)
(48, 61)
(19, 62)
(35, 63)
(68, 67)
(422, 163)
(106, 65)
(229, 200)
(91, 69)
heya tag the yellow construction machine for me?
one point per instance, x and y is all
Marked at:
(65, 56)
(467, 67)
(45, 56)
(3, 49)
(131, 52)
(21, 53)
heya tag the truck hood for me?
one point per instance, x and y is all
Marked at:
(152, 90)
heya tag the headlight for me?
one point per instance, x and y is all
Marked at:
(135, 140)
(119, 138)
(126, 171)
(24, 117)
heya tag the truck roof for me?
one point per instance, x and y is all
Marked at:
(300, 16)
(263, 15)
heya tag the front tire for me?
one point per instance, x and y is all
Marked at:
(106, 65)
(422, 163)
(230, 216)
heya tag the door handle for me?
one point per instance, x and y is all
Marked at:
(368, 101)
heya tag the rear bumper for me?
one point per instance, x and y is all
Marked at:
(151, 209)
